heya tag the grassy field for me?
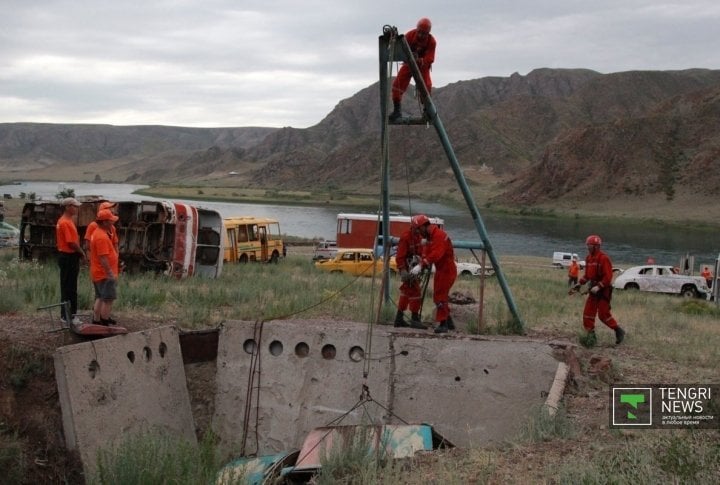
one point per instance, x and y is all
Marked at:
(670, 340)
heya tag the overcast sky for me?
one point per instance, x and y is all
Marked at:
(281, 63)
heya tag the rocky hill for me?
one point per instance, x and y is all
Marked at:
(552, 134)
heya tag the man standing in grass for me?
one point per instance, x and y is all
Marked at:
(90, 229)
(598, 271)
(104, 267)
(70, 253)
(573, 271)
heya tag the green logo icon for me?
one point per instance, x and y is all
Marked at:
(631, 406)
(633, 400)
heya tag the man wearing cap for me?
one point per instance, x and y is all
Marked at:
(103, 267)
(90, 229)
(70, 253)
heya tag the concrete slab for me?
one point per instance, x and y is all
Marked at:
(119, 386)
(309, 374)
(473, 390)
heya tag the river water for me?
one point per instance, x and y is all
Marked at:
(626, 243)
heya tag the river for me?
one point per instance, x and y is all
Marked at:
(626, 243)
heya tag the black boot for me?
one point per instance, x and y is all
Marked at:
(450, 323)
(400, 320)
(397, 112)
(443, 327)
(619, 335)
(416, 323)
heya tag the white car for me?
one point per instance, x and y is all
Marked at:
(325, 250)
(472, 269)
(661, 279)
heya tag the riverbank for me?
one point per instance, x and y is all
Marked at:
(264, 196)
(651, 212)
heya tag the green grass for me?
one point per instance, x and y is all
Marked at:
(540, 426)
(12, 459)
(671, 457)
(23, 365)
(665, 326)
(156, 458)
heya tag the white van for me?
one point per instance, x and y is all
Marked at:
(325, 250)
(562, 260)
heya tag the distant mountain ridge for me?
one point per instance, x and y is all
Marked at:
(552, 134)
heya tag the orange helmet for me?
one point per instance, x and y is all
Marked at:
(593, 240)
(419, 220)
(424, 25)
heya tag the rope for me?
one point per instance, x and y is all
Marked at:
(249, 393)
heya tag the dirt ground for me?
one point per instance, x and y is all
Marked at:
(29, 405)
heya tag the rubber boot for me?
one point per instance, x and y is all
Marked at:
(400, 320)
(443, 327)
(619, 335)
(397, 112)
(416, 323)
(450, 323)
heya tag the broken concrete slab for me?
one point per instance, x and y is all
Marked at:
(112, 388)
(307, 374)
(473, 390)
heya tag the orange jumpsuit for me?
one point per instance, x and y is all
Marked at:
(424, 52)
(598, 270)
(439, 251)
(410, 294)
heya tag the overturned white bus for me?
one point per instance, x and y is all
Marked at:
(166, 237)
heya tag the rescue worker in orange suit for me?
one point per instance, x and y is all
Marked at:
(90, 229)
(573, 272)
(70, 254)
(598, 272)
(409, 253)
(422, 44)
(104, 267)
(707, 274)
(438, 251)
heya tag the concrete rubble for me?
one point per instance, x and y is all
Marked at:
(279, 380)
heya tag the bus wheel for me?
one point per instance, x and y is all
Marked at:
(243, 259)
(275, 257)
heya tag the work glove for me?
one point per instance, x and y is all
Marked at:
(416, 270)
(595, 290)
(574, 289)
(404, 275)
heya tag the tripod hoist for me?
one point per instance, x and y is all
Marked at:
(393, 47)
